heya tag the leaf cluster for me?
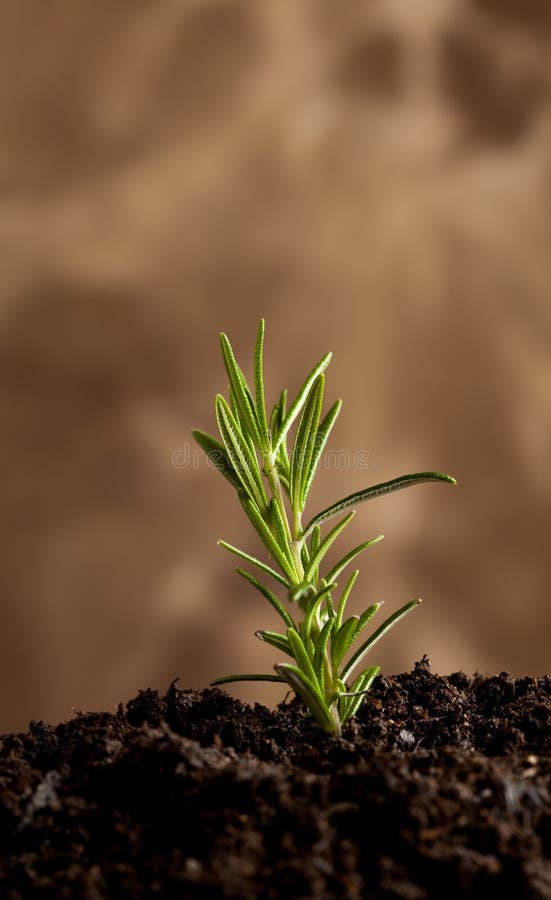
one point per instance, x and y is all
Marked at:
(271, 461)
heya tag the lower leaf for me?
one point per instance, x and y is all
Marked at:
(357, 692)
(227, 679)
(309, 694)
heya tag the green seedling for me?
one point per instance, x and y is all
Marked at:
(271, 462)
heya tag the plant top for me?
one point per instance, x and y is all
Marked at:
(271, 462)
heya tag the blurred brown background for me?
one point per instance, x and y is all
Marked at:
(374, 178)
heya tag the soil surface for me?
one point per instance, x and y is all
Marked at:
(440, 788)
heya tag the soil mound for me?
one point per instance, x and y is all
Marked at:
(440, 787)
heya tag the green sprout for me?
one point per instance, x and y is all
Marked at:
(273, 483)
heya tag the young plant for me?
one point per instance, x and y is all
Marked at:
(271, 462)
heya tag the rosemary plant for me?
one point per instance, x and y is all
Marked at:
(271, 462)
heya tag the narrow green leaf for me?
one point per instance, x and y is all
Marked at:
(376, 490)
(319, 445)
(270, 597)
(305, 437)
(243, 461)
(376, 636)
(313, 606)
(300, 398)
(343, 705)
(259, 388)
(326, 544)
(357, 693)
(279, 641)
(284, 479)
(235, 410)
(274, 422)
(329, 608)
(281, 456)
(309, 694)
(363, 682)
(366, 617)
(345, 594)
(241, 425)
(342, 640)
(267, 537)
(321, 647)
(315, 540)
(229, 678)
(310, 648)
(338, 567)
(217, 455)
(282, 409)
(280, 531)
(241, 391)
(277, 417)
(284, 466)
(257, 562)
(301, 654)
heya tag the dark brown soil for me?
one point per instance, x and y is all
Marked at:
(440, 789)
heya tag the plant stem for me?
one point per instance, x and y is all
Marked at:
(334, 711)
